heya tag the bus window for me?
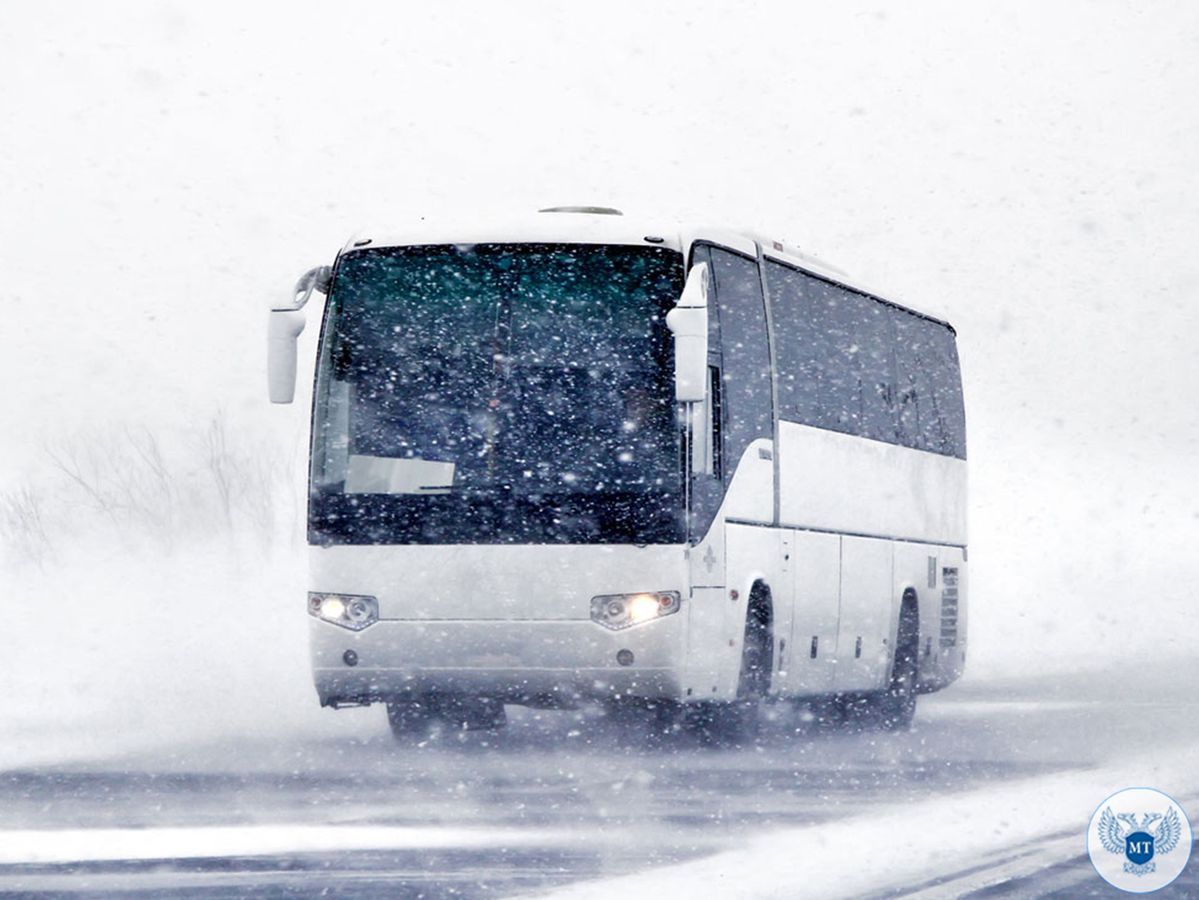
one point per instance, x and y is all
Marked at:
(947, 390)
(707, 489)
(468, 385)
(701, 253)
(871, 356)
(745, 354)
(817, 327)
(929, 391)
(796, 373)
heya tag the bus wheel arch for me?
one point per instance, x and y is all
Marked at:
(896, 705)
(757, 644)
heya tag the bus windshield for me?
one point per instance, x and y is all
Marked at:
(498, 393)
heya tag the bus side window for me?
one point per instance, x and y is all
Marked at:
(849, 362)
(700, 253)
(874, 366)
(708, 490)
(796, 376)
(716, 430)
(947, 390)
(746, 388)
(922, 421)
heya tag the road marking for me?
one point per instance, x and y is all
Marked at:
(1049, 852)
(29, 847)
(889, 849)
(1052, 852)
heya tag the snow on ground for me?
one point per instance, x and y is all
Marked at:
(909, 844)
(154, 611)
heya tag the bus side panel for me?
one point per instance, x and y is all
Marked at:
(711, 668)
(812, 644)
(750, 495)
(867, 615)
(937, 575)
(731, 557)
(895, 508)
(755, 554)
(842, 483)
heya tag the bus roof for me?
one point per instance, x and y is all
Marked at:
(556, 227)
(602, 225)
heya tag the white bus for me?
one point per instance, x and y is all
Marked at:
(580, 457)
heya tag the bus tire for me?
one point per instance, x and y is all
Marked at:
(757, 647)
(736, 722)
(896, 706)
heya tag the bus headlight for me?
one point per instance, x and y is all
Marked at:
(617, 611)
(351, 611)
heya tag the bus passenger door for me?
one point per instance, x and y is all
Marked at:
(739, 485)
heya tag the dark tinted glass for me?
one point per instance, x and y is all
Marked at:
(947, 390)
(702, 253)
(707, 490)
(817, 347)
(837, 347)
(929, 391)
(870, 324)
(498, 393)
(798, 377)
(848, 362)
(744, 352)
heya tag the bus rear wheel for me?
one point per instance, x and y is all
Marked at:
(895, 707)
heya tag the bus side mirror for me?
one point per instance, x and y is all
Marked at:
(688, 321)
(286, 324)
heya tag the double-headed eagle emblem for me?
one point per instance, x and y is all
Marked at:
(1123, 834)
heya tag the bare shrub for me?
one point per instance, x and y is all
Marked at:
(123, 480)
(251, 481)
(123, 476)
(23, 527)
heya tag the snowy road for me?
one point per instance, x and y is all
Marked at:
(555, 802)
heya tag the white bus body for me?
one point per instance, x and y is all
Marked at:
(810, 540)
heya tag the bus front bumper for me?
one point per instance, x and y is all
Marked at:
(538, 663)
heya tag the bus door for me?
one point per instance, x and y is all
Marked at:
(734, 540)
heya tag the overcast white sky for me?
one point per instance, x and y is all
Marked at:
(1032, 170)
